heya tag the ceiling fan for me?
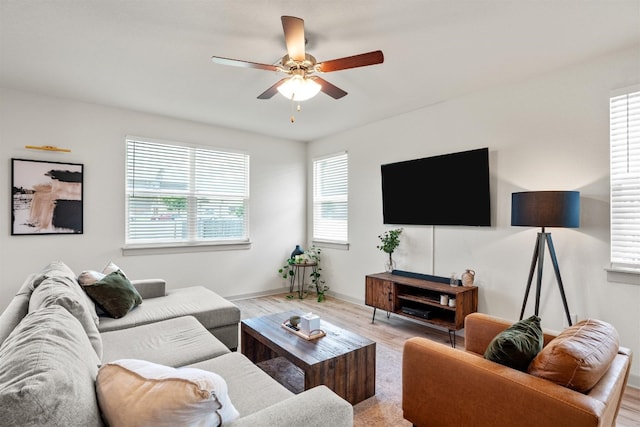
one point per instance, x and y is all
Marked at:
(302, 82)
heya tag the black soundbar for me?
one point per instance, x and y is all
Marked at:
(429, 277)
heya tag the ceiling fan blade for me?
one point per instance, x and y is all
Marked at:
(294, 37)
(244, 64)
(267, 94)
(330, 89)
(364, 59)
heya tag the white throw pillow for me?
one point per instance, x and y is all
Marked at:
(139, 393)
(89, 277)
(110, 268)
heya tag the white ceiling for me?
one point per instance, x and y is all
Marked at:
(154, 55)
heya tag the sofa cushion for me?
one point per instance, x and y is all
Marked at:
(517, 345)
(212, 310)
(579, 356)
(139, 393)
(48, 372)
(114, 294)
(173, 342)
(250, 388)
(57, 285)
(59, 271)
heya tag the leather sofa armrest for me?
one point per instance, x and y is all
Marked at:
(449, 387)
(150, 288)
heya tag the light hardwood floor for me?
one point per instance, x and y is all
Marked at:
(391, 332)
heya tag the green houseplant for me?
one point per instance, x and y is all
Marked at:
(314, 255)
(389, 240)
(288, 271)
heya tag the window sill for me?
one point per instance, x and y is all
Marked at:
(184, 248)
(623, 275)
(330, 245)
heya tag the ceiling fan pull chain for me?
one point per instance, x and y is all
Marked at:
(293, 117)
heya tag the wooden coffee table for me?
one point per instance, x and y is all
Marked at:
(342, 360)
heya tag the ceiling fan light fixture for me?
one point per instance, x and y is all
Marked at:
(299, 88)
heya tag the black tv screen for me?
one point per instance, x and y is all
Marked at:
(449, 189)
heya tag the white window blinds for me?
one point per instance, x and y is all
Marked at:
(330, 198)
(183, 194)
(625, 179)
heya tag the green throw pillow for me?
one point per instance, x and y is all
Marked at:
(114, 294)
(517, 345)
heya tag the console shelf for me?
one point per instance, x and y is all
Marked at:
(419, 298)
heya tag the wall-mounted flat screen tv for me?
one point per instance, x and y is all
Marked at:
(449, 189)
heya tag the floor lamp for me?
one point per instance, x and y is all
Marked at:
(545, 209)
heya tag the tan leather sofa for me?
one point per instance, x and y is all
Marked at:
(443, 386)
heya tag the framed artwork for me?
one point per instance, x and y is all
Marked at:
(46, 197)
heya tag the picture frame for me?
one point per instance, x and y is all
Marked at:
(46, 197)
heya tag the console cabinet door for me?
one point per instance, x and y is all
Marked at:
(379, 294)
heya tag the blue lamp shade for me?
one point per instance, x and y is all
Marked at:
(546, 209)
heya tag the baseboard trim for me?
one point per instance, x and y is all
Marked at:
(257, 294)
(634, 381)
(285, 290)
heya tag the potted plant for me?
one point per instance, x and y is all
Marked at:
(314, 256)
(390, 240)
(289, 271)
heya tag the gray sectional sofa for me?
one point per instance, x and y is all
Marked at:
(52, 347)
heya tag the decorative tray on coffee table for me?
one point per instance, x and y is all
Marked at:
(316, 333)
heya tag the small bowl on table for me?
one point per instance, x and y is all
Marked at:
(294, 321)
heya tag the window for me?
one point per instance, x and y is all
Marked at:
(625, 178)
(180, 194)
(330, 199)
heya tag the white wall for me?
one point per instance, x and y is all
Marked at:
(96, 135)
(548, 133)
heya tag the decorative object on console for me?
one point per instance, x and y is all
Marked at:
(545, 209)
(467, 277)
(453, 281)
(390, 240)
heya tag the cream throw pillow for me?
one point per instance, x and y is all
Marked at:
(139, 393)
(89, 277)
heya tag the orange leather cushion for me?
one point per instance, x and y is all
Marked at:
(579, 356)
